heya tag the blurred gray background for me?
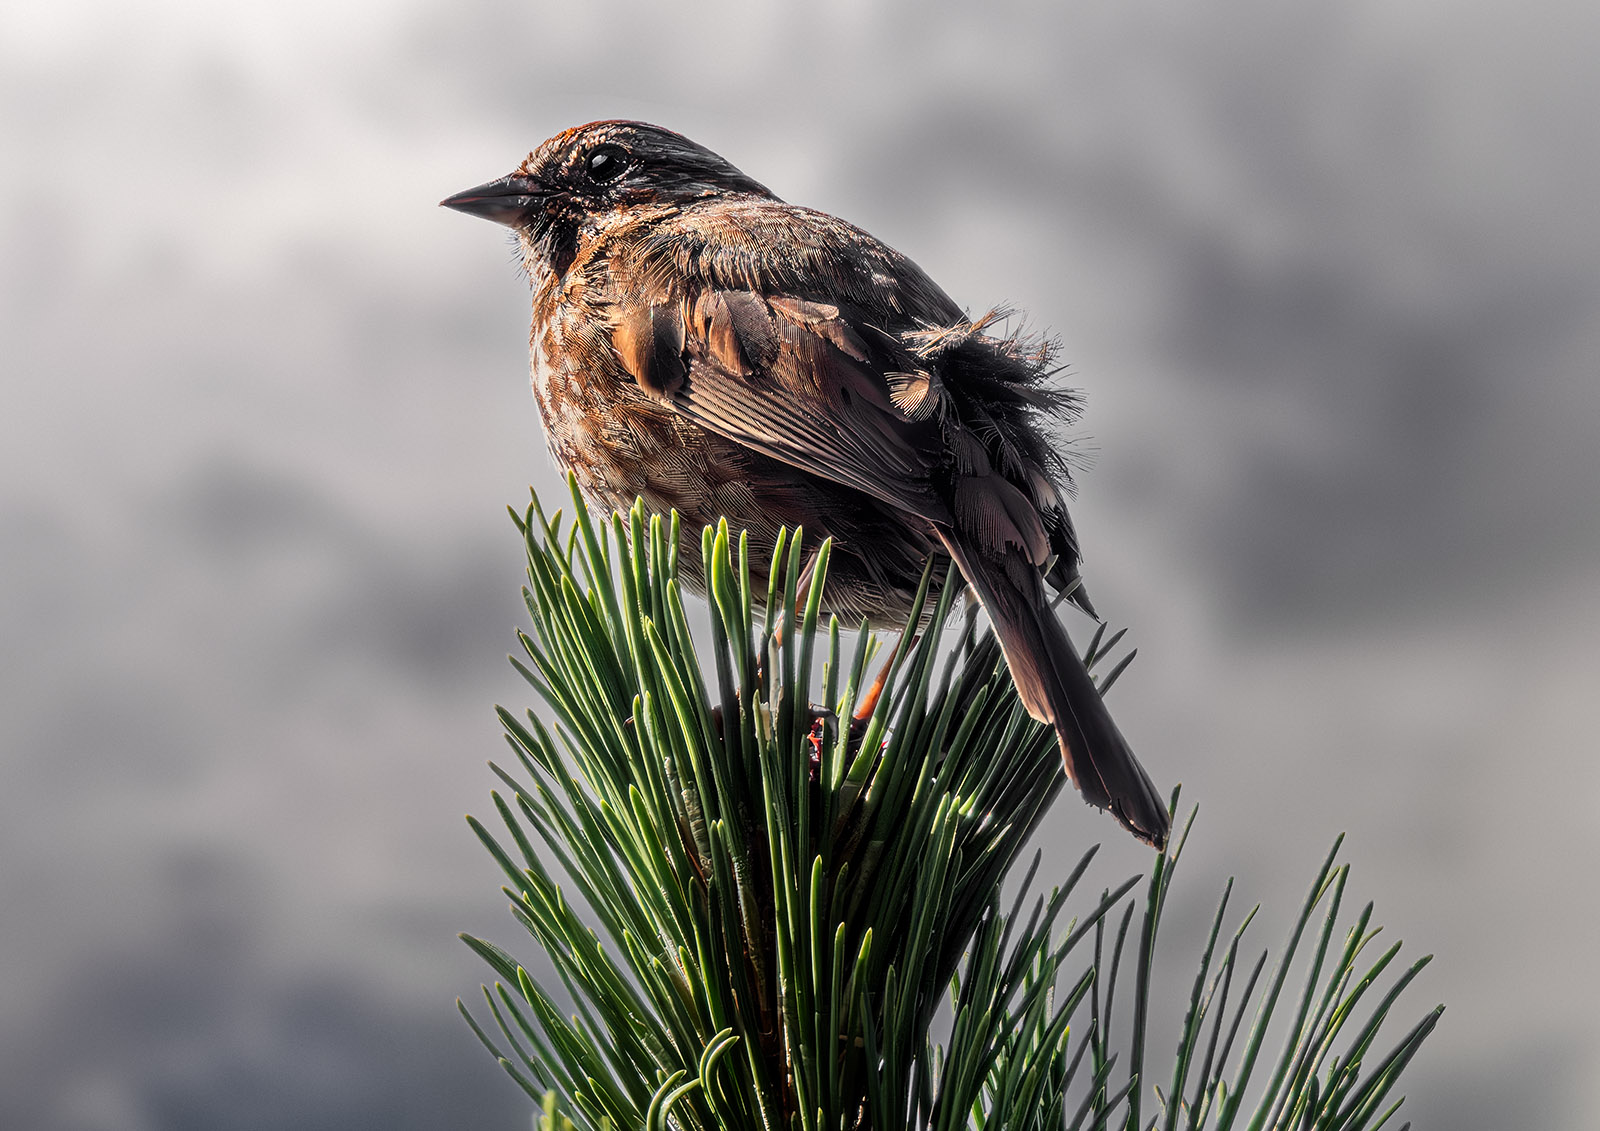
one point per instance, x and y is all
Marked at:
(1329, 272)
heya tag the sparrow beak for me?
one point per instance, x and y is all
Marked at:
(505, 201)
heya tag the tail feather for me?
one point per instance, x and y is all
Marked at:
(1055, 687)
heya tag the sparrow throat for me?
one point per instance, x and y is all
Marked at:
(548, 245)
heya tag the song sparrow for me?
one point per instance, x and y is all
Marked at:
(699, 342)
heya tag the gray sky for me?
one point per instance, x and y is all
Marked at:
(1329, 273)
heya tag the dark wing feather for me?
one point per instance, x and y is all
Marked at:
(783, 387)
(648, 340)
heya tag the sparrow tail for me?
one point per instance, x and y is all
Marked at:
(1055, 687)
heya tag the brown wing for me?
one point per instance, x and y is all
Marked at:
(793, 379)
(799, 335)
(790, 379)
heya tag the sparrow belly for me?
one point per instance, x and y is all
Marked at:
(621, 445)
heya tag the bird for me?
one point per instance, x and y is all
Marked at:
(706, 346)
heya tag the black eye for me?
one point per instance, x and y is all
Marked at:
(606, 162)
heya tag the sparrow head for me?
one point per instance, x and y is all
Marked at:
(599, 168)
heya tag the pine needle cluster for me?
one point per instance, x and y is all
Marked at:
(761, 914)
